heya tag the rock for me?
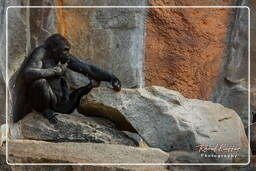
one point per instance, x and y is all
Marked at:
(17, 46)
(136, 137)
(2, 134)
(192, 157)
(232, 85)
(165, 119)
(190, 46)
(3, 165)
(35, 153)
(188, 157)
(252, 6)
(110, 39)
(72, 128)
(253, 137)
(202, 55)
(42, 22)
(29, 151)
(2, 99)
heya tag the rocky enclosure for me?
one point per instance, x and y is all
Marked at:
(199, 53)
(146, 125)
(163, 118)
(167, 120)
(122, 41)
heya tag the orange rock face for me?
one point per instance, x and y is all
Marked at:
(74, 27)
(185, 47)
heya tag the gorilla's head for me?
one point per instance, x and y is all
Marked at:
(59, 46)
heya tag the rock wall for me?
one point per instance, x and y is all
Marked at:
(17, 45)
(112, 39)
(185, 47)
(232, 89)
(42, 22)
(252, 5)
(202, 53)
(2, 100)
(3, 5)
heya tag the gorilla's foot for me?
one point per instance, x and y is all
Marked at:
(51, 116)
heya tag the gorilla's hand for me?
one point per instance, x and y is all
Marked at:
(116, 83)
(60, 69)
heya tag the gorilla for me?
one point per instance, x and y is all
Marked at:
(44, 74)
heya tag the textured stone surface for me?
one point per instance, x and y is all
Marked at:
(253, 137)
(194, 157)
(185, 157)
(185, 47)
(232, 89)
(2, 61)
(73, 128)
(17, 38)
(112, 39)
(2, 99)
(5, 167)
(137, 138)
(17, 44)
(84, 153)
(166, 119)
(252, 5)
(42, 22)
(2, 134)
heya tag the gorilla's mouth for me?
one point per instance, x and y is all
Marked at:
(64, 58)
(63, 61)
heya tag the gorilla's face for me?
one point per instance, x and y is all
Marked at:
(59, 46)
(63, 54)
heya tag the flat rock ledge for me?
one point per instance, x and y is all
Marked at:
(31, 151)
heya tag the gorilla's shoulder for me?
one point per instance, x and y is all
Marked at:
(38, 52)
(39, 49)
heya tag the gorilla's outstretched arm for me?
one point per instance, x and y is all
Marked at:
(93, 72)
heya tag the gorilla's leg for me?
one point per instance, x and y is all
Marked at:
(74, 99)
(42, 99)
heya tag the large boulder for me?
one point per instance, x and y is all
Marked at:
(166, 119)
(70, 128)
